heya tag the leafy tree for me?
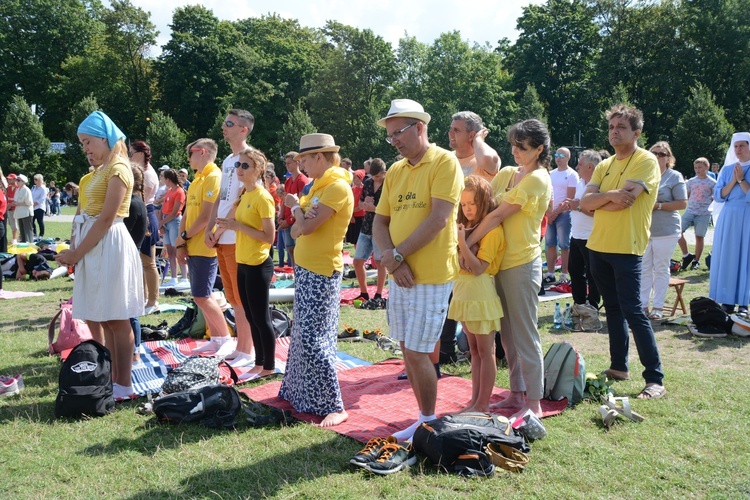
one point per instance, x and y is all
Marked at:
(411, 55)
(529, 106)
(23, 146)
(354, 78)
(74, 162)
(36, 37)
(555, 52)
(195, 68)
(297, 125)
(702, 130)
(167, 141)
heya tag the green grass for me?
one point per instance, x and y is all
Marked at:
(693, 443)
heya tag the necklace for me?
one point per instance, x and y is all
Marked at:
(614, 159)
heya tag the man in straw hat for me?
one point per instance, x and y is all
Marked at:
(415, 229)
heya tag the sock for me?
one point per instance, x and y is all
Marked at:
(551, 274)
(685, 255)
(408, 433)
(242, 359)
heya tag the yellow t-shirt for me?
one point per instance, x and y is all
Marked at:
(491, 250)
(82, 190)
(523, 229)
(205, 187)
(406, 198)
(253, 207)
(96, 188)
(320, 251)
(625, 231)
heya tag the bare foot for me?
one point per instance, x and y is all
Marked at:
(536, 409)
(265, 373)
(468, 408)
(255, 370)
(515, 400)
(136, 358)
(334, 419)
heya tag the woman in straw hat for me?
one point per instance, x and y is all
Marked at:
(322, 216)
(104, 249)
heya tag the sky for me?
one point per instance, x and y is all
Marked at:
(478, 20)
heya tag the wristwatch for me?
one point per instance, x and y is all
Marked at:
(397, 256)
(184, 235)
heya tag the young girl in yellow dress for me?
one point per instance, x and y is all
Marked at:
(475, 302)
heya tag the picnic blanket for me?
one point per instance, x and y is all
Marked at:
(379, 404)
(159, 357)
(348, 294)
(10, 294)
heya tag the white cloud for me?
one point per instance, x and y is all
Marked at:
(483, 21)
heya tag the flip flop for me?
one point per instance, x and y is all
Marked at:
(654, 391)
(608, 416)
(624, 409)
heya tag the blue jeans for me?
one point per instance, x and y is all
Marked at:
(135, 323)
(618, 278)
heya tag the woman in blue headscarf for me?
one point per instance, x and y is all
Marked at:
(108, 288)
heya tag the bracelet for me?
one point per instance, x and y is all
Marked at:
(659, 207)
(295, 207)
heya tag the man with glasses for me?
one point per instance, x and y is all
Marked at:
(622, 194)
(564, 182)
(466, 137)
(191, 244)
(415, 229)
(236, 128)
(294, 184)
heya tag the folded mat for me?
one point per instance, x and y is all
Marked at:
(158, 357)
(10, 294)
(379, 405)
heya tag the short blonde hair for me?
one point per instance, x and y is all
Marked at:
(702, 161)
(208, 144)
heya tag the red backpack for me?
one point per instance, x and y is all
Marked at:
(72, 331)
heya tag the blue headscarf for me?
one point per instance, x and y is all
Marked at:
(98, 124)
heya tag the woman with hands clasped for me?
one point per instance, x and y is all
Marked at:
(253, 221)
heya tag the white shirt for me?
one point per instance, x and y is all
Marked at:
(561, 181)
(150, 185)
(581, 223)
(230, 190)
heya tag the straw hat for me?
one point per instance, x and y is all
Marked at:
(23, 178)
(405, 108)
(316, 143)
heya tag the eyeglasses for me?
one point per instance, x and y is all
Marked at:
(389, 139)
(662, 154)
(560, 155)
(243, 165)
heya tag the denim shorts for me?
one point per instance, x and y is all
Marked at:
(699, 221)
(366, 246)
(171, 231)
(289, 242)
(203, 272)
(558, 232)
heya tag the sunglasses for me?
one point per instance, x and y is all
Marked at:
(560, 155)
(389, 139)
(230, 124)
(662, 154)
(194, 150)
(243, 165)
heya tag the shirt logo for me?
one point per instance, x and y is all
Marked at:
(210, 193)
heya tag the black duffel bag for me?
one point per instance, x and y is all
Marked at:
(215, 406)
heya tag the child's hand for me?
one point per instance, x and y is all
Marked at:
(461, 231)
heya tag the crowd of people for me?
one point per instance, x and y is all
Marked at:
(459, 238)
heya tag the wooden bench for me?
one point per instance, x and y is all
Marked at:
(678, 285)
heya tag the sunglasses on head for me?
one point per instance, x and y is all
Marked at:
(243, 165)
(662, 154)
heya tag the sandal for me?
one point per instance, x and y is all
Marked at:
(623, 409)
(653, 391)
(616, 374)
(656, 314)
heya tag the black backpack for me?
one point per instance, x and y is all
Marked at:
(458, 443)
(215, 406)
(85, 382)
(282, 325)
(709, 317)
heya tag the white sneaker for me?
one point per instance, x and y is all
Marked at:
(171, 283)
(151, 309)
(184, 281)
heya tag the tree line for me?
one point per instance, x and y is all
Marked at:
(685, 63)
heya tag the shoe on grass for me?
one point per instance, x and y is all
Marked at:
(371, 451)
(349, 333)
(393, 457)
(9, 387)
(687, 260)
(549, 280)
(695, 265)
(372, 335)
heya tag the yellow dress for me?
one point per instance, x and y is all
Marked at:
(475, 301)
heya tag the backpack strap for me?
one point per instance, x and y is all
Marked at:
(552, 372)
(51, 331)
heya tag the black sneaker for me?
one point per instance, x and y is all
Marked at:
(349, 333)
(695, 265)
(549, 280)
(687, 260)
(393, 457)
(371, 451)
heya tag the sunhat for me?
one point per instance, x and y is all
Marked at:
(405, 108)
(23, 178)
(316, 143)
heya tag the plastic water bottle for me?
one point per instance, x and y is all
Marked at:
(568, 317)
(557, 318)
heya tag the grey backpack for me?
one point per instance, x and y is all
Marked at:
(193, 373)
(564, 373)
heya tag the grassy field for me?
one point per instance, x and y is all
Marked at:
(693, 443)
